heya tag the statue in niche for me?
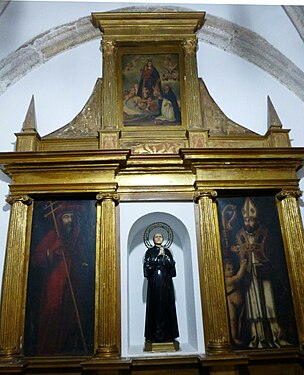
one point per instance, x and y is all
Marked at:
(161, 328)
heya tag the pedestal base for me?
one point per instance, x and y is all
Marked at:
(171, 346)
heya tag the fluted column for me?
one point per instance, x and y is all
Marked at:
(14, 279)
(109, 86)
(294, 245)
(192, 91)
(214, 308)
(107, 269)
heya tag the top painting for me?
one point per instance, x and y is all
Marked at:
(151, 89)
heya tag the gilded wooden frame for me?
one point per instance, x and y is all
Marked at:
(61, 280)
(145, 108)
(114, 176)
(206, 157)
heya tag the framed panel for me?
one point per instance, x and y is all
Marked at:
(61, 281)
(150, 88)
(257, 285)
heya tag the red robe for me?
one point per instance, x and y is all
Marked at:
(59, 330)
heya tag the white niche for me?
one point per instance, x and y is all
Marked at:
(135, 217)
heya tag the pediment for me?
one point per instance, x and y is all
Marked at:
(88, 120)
(115, 117)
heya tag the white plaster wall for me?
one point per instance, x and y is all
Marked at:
(62, 85)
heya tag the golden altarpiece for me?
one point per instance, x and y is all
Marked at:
(151, 149)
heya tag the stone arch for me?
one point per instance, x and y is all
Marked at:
(217, 31)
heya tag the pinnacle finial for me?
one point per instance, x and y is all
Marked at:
(274, 121)
(29, 124)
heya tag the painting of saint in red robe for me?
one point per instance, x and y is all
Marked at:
(60, 293)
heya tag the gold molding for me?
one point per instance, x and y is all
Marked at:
(216, 325)
(190, 46)
(109, 86)
(95, 155)
(108, 47)
(148, 26)
(11, 199)
(14, 278)
(108, 195)
(293, 236)
(283, 194)
(198, 194)
(107, 271)
(192, 90)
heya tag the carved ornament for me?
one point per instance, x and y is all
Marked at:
(212, 194)
(289, 194)
(11, 199)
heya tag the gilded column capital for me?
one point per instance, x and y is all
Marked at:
(11, 199)
(190, 46)
(288, 194)
(108, 47)
(208, 193)
(108, 196)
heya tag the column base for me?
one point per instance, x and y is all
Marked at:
(107, 352)
(12, 364)
(215, 348)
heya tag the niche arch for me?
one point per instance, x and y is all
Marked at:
(186, 282)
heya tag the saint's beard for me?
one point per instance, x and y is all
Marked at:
(251, 229)
(67, 232)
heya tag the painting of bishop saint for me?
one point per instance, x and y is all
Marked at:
(258, 293)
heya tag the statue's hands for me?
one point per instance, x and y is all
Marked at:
(161, 251)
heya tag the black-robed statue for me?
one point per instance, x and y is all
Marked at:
(161, 321)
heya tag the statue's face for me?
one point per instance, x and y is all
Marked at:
(158, 239)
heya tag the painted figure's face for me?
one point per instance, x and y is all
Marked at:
(229, 270)
(132, 91)
(250, 224)
(158, 239)
(67, 220)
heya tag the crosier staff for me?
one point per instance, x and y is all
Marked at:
(228, 217)
(52, 212)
